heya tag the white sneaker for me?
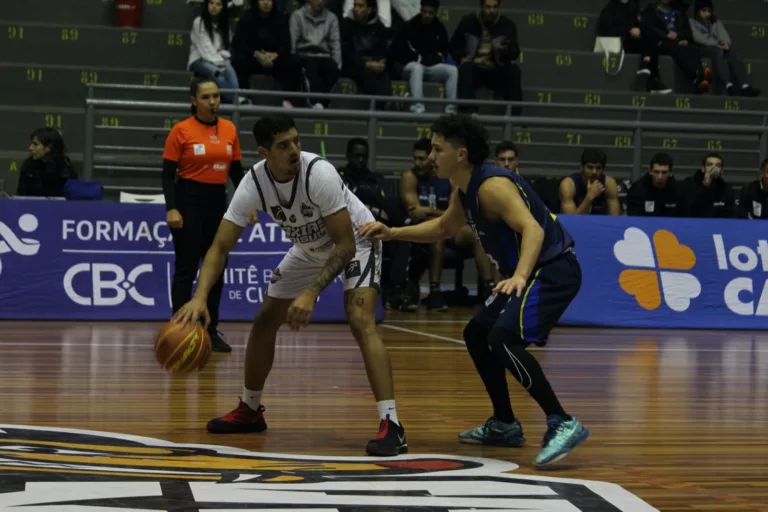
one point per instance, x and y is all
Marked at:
(318, 106)
(418, 108)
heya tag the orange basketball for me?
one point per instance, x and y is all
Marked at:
(181, 350)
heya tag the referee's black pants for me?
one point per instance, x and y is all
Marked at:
(202, 206)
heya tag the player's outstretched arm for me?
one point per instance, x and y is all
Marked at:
(430, 231)
(500, 197)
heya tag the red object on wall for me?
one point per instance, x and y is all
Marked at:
(128, 13)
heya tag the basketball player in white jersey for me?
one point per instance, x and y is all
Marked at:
(305, 195)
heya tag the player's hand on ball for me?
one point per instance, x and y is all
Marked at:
(300, 310)
(376, 230)
(514, 284)
(191, 313)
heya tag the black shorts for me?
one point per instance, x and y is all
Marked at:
(534, 314)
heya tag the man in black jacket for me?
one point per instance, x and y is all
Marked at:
(753, 201)
(657, 194)
(262, 46)
(621, 18)
(669, 30)
(364, 48)
(709, 194)
(485, 46)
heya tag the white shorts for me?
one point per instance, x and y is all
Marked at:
(297, 271)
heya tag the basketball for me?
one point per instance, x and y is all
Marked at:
(182, 349)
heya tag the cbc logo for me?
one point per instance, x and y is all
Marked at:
(107, 277)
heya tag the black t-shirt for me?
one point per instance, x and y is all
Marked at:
(645, 200)
(715, 201)
(753, 201)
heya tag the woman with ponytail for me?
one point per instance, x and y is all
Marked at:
(201, 153)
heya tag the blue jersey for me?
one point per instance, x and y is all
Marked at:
(500, 242)
(599, 204)
(433, 192)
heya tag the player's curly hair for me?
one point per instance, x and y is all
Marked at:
(461, 130)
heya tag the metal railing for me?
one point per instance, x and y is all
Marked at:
(638, 126)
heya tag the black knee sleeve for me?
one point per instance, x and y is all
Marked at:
(475, 335)
(510, 348)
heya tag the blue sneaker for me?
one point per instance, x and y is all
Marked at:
(561, 437)
(495, 432)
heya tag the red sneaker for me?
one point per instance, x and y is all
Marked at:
(390, 440)
(241, 420)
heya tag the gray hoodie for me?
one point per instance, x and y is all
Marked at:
(315, 37)
(708, 33)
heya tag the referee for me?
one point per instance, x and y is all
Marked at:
(200, 154)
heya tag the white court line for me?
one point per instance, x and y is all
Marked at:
(584, 349)
(422, 333)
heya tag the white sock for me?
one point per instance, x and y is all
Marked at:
(252, 398)
(387, 407)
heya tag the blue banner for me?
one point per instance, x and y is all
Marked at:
(64, 260)
(670, 273)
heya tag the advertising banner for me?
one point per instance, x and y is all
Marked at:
(109, 261)
(670, 273)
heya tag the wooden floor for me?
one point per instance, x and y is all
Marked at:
(678, 418)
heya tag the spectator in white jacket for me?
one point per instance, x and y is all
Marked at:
(209, 56)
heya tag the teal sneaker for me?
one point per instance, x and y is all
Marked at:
(561, 437)
(495, 432)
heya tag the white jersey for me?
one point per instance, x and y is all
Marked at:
(300, 205)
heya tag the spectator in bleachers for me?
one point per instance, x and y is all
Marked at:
(427, 196)
(262, 46)
(372, 190)
(709, 194)
(422, 49)
(209, 56)
(506, 156)
(753, 201)
(669, 30)
(658, 193)
(621, 18)
(316, 41)
(485, 46)
(364, 49)
(715, 42)
(590, 192)
(47, 169)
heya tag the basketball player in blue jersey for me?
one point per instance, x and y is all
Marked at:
(540, 278)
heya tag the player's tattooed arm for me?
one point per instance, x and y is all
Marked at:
(339, 225)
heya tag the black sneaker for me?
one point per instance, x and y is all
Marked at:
(217, 343)
(645, 68)
(406, 304)
(390, 440)
(436, 302)
(749, 92)
(656, 86)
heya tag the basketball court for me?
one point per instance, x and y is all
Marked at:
(90, 422)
